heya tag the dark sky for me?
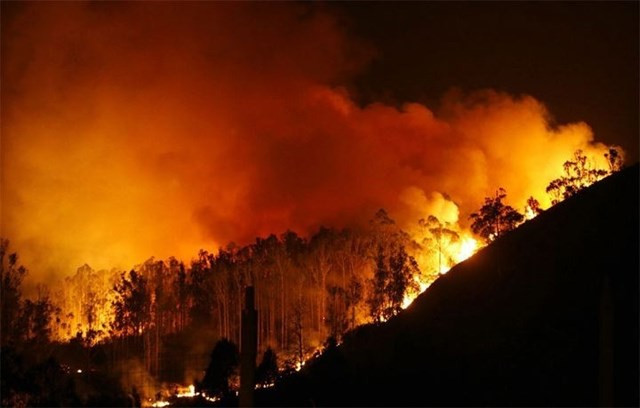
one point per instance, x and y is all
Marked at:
(579, 58)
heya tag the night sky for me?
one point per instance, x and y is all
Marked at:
(579, 58)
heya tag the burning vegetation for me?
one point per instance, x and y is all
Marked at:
(154, 325)
(131, 131)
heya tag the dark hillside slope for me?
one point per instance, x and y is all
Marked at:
(546, 315)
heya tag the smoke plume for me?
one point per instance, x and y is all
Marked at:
(137, 130)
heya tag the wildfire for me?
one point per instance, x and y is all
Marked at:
(189, 392)
(457, 251)
(529, 213)
(409, 297)
(467, 247)
(186, 392)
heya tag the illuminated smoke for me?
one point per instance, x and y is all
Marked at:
(138, 130)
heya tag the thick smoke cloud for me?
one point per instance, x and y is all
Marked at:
(137, 130)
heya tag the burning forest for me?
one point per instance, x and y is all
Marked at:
(159, 159)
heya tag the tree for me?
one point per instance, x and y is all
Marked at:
(354, 297)
(200, 288)
(336, 319)
(580, 173)
(392, 278)
(267, 371)
(495, 218)
(181, 292)
(11, 275)
(320, 255)
(615, 159)
(532, 209)
(403, 268)
(133, 304)
(297, 323)
(223, 363)
(443, 235)
(37, 317)
(376, 299)
(288, 262)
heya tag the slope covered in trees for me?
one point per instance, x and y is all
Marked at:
(155, 325)
(545, 315)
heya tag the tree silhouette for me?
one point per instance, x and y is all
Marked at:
(36, 315)
(12, 275)
(615, 159)
(267, 370)
(306, 289)
(495, 218)
(376, 299)
(532, 209)
(133, 304)
(336, 319)
(392, 278)
(403, 268)
(223, 363)
(298, 327)
(443, 235)
(580, 173)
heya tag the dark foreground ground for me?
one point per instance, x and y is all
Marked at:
(546, 315)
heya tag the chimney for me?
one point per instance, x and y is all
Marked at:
(248, 349)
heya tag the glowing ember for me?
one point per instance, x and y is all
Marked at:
(188, 393)
(211, 399)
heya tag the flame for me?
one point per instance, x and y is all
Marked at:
(529, 213)
(316, 352)
(190, 391)
(467, 248)
(94, 173)
(459, 251)
(210, 399)
(102, 176)
(186, 392)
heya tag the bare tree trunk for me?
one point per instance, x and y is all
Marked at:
(158, 347)
(283, 313)
(220, 317)
(227, 316)
(239, 331)
(269, 303)
(300, 353)
(323, 299)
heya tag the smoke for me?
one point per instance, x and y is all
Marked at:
(138, 130)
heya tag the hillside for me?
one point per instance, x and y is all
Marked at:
(546, 315)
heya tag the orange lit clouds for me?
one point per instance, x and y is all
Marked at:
(132, 130)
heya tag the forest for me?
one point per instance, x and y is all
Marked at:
(112, 337)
